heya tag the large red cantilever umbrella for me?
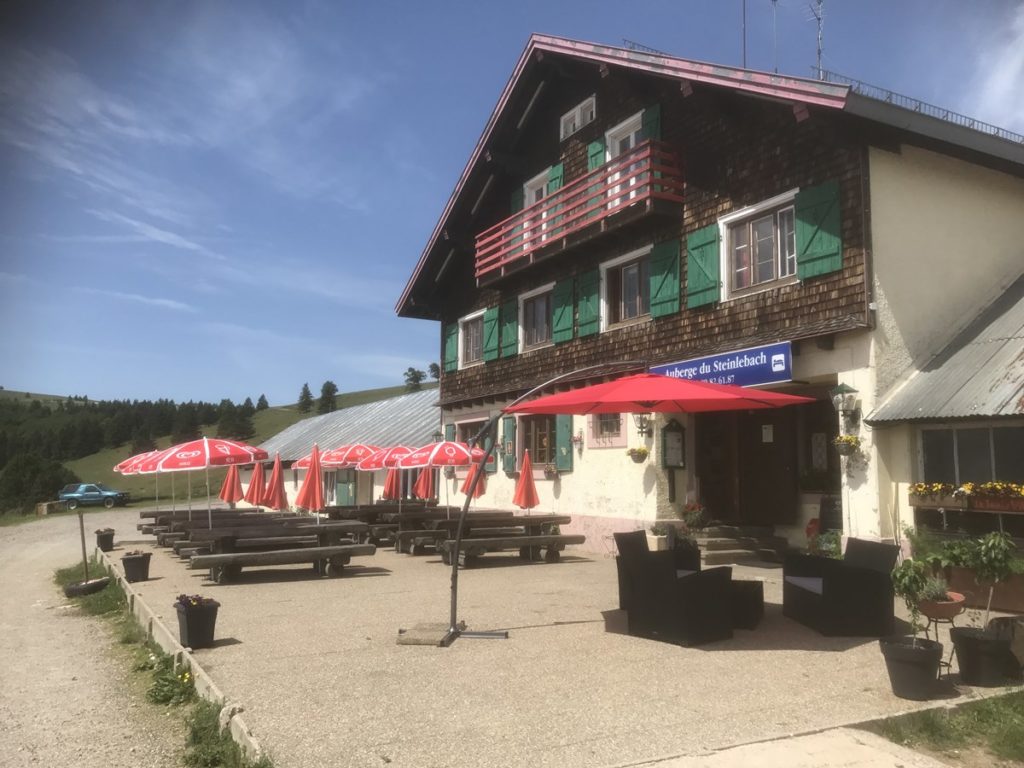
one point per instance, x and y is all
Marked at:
(525, 496)
(231, 489)
(652, 392)
(274, 496)
(254, 493)
(311, 494)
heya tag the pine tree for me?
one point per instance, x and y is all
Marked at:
(435, 371)
(327, 393)
(262, 404)
(247, 409)
(305, 399)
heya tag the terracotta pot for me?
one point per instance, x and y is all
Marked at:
(954, 605)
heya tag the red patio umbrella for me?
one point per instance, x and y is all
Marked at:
(347, 455)
(392, 485)
(231, 490)
(274, 496)
(481, 484)
(447, 453)
(385, 458)
(254, 493)
(311, 494)
(526, 496)
(424, 486)
(652, 392)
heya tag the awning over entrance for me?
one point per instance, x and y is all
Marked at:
(979, 374)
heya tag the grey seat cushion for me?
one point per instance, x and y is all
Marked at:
(810, 583)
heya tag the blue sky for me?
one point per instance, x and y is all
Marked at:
(221, 199)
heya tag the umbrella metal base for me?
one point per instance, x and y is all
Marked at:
(442, 635)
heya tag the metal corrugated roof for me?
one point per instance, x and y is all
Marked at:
(407, 419)
(980, 373)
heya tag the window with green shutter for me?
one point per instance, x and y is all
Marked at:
(451, 347)
(651, 122)
(588, 304)
(508, 442)
(595, 159)
(665, 278)
(562, 309)
(490, 344)
(563, 443)
(556, 177)
(703, 283)
(819, 242)
(449, 432)
(509, 328)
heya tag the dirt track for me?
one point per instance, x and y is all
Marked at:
(67, 698)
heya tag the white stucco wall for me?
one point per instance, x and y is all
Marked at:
(946, 239)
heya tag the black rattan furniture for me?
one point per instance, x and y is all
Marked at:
(852, 597)
(747, 603)
(661, 604)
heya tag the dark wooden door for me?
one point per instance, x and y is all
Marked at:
(716, 464)
(767, 466)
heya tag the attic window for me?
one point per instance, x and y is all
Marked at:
(577, 117)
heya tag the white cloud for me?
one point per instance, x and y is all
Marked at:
(151, 233)
(999, 74)
(151, 301)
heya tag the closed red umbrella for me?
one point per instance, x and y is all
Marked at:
(231, 490)
(424, 486)
(392, 485)
(652, 392)
(311, 494)
(274, 496)
(257, 488)
(526, 496)
(481, 484)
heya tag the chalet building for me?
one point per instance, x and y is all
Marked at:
(722, 224)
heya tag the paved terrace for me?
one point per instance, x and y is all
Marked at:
(316, 665)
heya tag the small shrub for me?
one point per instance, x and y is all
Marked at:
(695, 516)
(935, 588)
(170, 687)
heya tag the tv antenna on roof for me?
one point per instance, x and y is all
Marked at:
(819, 16)
(635, 46)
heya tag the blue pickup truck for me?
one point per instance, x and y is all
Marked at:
(91, 493)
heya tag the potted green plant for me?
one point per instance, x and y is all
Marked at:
(197, 619)
(638, 455)
(983, 655)
(695, 515)
(938, 602)
(912, 662)
(657, 538)
(136, 565)
(105, 539)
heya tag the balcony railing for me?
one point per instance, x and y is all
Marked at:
(632, 182)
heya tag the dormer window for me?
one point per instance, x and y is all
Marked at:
(577, 117)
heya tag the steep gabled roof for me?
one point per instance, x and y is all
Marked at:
(795, 90)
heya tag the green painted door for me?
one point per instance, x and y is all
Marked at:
(345, 489)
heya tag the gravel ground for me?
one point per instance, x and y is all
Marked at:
(67, 696)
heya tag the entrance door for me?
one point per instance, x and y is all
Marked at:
(345, 491)
(716, 465)
(767, 464)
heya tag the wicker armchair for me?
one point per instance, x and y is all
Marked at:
(852, 597)
(661, 604)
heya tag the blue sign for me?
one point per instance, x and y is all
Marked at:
(769, 364)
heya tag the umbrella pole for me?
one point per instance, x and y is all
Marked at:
(81, 531)
(190, 497)
(158, 490)
(174, 500)
(209, 509)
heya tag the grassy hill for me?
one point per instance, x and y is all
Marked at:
(98, 467)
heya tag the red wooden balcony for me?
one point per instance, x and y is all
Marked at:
(644, 180)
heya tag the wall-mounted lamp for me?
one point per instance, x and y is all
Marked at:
(437, 437)
(844, 400)
(643, 424)
(577, 440)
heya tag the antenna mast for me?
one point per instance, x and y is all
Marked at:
(819, 16)
(775, 37)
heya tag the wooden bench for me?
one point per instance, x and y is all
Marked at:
(327, 561)
(413, 542)
(528, 545)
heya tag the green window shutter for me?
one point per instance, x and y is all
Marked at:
(664, 276)
(556, 177)
(650, 122)
(508, 438)
(563, 443)
(703, 284)
(588, 304)
(595, 159)
(449, 432)
(561, 308)
(509, 328)
(492, 464)
(451, 347)
(819, 241)
(490, 351)
(517, 201)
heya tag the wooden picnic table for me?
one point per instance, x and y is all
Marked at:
(152, 514)
(527, 533)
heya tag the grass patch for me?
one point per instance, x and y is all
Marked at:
(208, 747)
(995, 724)
(110, 600)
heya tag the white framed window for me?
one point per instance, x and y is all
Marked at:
(759, 246)
(536, 313)
(606, 430)
(538, 435)
(621, 140)
(626, 288)
(971, 453)
(577, 117)
(471, 339)
(534, 191)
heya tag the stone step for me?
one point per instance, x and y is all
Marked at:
(733, 531)
(727, 543)
(770, 555)
(729, 556)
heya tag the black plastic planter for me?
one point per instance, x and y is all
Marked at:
(913, 666)
(136, 567)
(984, 658)
(196, 624)
(105, 540)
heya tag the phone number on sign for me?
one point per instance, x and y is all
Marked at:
(722, 379)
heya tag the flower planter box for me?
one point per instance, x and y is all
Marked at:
(946, 502)
(136, 567)
(1008, 595)
(105, 539)
(998, 503)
